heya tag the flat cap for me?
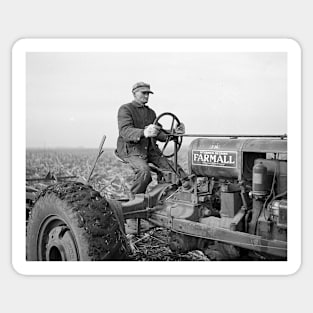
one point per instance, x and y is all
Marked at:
(141, 86)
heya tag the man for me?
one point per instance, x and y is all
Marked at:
(136, 130)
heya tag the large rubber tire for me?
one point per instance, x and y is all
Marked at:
(72, 222)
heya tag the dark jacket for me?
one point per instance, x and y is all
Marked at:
(132, 119)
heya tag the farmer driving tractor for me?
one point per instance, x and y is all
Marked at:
(138, 133)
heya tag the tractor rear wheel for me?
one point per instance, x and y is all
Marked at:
(73, 222)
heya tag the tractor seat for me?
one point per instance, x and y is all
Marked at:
(152, 167)
(117, 157)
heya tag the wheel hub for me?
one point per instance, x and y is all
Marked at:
(61, 245)
(56, 242)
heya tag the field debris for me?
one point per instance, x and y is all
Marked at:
(153, 246)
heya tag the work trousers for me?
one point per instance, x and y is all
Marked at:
(142, 171)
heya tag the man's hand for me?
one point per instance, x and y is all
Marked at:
(180, 129)
(151, 131)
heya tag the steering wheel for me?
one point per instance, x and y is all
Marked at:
(172, 136)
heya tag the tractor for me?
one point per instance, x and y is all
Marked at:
(233, 206)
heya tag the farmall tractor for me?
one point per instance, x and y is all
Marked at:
(233, 205)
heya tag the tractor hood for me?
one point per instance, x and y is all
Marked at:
(229, 158)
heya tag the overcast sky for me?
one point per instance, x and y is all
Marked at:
(73, 98)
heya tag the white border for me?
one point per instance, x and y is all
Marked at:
(19, 51)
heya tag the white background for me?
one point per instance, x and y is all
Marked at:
(202, 19)
(60, 94)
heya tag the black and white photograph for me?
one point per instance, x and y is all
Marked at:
(149, 151)
(156, 156)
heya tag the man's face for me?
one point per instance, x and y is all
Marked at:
(141, 97)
